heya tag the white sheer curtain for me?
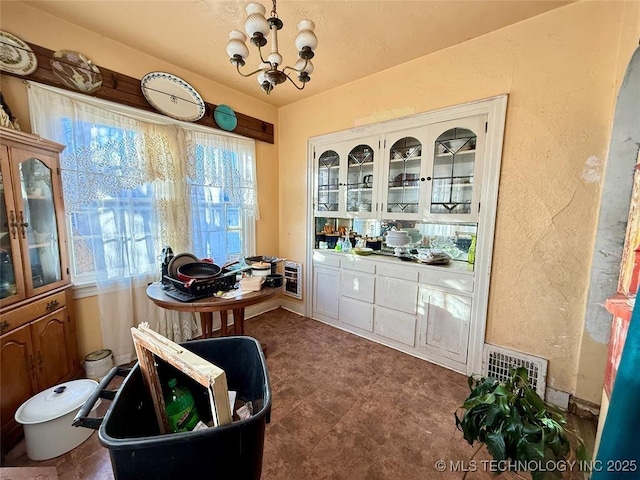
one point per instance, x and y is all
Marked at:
(125, 177)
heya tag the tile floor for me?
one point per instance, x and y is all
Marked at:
(343, 408)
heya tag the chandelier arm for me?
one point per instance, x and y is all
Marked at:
(294, 83)
(248, 74)
(295, 69)
(261, 57)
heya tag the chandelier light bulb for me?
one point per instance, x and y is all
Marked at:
(256, 23)
(237, 45)
(306, 37)
(300, 67)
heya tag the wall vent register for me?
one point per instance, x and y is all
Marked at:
(293, 279)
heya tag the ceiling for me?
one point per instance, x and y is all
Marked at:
(356, 38)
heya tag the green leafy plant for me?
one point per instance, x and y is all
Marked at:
(517, 426)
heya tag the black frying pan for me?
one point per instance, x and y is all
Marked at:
(198, 271)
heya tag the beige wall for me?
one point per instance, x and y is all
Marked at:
(561, 71)
(41, 29)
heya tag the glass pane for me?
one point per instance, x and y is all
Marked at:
(360, 179)
(7, 273)
(453, 168)
(403, 186)
(328, 180)
(39, 224)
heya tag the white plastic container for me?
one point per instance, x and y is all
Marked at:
(47, 418)
(97, 364)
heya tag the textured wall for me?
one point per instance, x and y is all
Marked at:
(560, 70)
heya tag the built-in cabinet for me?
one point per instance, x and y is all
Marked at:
(38, 346)
(439, 167)
(421, 310)
(430, 172)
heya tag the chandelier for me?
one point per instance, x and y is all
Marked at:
(270, 71)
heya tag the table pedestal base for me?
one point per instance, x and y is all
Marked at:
(238, 322)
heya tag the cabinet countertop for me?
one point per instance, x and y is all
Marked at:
(454, 266)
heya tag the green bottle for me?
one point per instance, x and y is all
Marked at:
(180, 408)
(471, 257)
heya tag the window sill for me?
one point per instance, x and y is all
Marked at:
(84, 290)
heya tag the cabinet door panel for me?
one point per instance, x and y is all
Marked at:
(455, 152)
(445, 323)
(357, 314)
(396, 326)
(12, 288)
(40, 211)
(404, 186)
(326, 286)
(397, 294)
(18, 372)
(50, 344)
(358, 286)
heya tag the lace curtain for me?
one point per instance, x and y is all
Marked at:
(109, 152)
(226, 164)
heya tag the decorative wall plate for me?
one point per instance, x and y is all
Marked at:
(172, 96)
(76, 71)
(16, 56)
(225, 117)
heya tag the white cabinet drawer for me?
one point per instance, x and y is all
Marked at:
(397, 326)
(399, 272)
(326, 260)
(358, 285)
(448, 279)
(358, 264)
(397, 294)
(356, 314)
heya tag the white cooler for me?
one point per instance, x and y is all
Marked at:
(47, 418)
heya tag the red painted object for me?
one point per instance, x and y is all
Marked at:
(621, 312)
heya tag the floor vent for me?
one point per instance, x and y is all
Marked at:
(496, 362)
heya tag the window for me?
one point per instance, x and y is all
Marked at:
(132, 186)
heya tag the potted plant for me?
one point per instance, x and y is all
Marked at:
(519, 429)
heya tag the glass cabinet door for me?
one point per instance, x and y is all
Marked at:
(457, 148)
(11, 281)
(327, 181)
(361, 177)
(405, 181)
(39, 225)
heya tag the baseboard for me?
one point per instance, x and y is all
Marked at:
(584, 408)
(294, 306)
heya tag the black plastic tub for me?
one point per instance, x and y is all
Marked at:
(234, 451)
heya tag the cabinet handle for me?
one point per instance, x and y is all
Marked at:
(428, 178)
(422, 179)
(40, 362)
(13, 223)
(52, 305)
(3, 326)
(23, 225)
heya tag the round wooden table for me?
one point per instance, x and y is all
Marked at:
(206, 306)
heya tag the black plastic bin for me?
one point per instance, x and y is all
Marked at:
(234, 451)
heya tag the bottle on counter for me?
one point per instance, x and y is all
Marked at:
(471, 256)
(346, 244)
(180, 408)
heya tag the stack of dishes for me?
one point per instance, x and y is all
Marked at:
(397, 238)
